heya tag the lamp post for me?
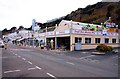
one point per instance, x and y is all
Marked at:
(45, 36)
(55, 38)
(29, 38)
(71, 40)
(39, 37)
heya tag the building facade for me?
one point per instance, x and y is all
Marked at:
(69, 33)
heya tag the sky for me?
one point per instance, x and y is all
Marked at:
(21, 12)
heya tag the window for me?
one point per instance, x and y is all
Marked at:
(106, 40)
(113, 40)
(88, 40)
(97, 40)
(78, 39)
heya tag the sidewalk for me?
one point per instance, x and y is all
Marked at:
(38, 48)
(76, 54)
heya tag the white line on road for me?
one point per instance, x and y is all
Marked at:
(19, 56)
(38, 67)
(84, 52)
(16, 54)
(95, 61)
(23, 58)
(86, 57)
(51, 75)
(29, 62)
(32, 68)
(70, 63)
(12, 71)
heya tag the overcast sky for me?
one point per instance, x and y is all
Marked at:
(21, 12)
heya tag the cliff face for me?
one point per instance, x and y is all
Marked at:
(96, 13)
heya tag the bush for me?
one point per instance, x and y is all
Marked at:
(104, 48)
(110, 48)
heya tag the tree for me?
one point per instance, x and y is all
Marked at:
(13, 29)
(4, 31)
(20, 28)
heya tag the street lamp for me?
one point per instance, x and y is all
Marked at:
(39, 36)
(45, 36)
(55, 37)
(71, 40)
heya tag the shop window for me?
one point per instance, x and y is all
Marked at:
(88, 40)
(106, 40)
(113, 40)
(97, 40)
(78, 39)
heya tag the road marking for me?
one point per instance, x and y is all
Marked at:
(23, 58)
(51, 75)
(29, 62)
(84, 52)
(38, 67)
(94, 61)
(12, 71)
(70, 63)
(86, 57)
(115, 57)
(16, 54)
(19, 56)
(32, 68)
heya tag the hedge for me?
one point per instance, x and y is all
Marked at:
(104, 48)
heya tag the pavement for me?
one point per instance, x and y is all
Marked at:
(21, 61)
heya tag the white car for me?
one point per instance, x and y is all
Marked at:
(1, 44)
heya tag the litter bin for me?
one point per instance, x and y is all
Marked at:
(77, 46)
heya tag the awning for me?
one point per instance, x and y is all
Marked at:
(20, 39)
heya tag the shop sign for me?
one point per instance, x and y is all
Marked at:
(63, 32)
(82, 32)
(75, 31)
(42, 34)
(98, 33)
(113, 34)
(50, 33)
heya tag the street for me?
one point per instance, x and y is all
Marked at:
(18, 61)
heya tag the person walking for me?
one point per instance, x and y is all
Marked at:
(5, 46)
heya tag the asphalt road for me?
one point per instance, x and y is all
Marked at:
(20, 61)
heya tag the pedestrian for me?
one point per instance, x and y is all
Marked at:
(5, 46)
(47, 46)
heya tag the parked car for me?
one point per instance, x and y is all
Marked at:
(1, 44)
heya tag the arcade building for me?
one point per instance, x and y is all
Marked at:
(69, 34)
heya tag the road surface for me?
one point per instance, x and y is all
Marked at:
(20, 61)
